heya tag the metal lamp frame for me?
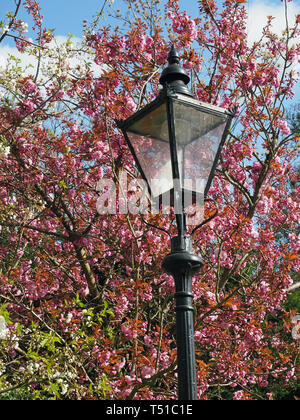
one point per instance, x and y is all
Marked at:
(169, 96)
(182, 263)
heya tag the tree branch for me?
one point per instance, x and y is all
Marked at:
(294, 287)
(12, 20)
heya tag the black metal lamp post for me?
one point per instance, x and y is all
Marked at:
(173, 139)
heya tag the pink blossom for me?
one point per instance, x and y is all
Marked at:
(188, 65)
(284, 127)
(164, 360)
(121, 364)
(74, 129)
(130, 104)
(147, 372)
(122, 305)
(263, 78)
(198, 336)
(293, 56)
(241, 176)
(130, 379)
(257, 166)
(148, 340)
(239, 395)
(28, 106)
(142, 42)
(20, 253)
(30, 86)
(149, 42)
(129, 332)
(59, 95)
(264, 205)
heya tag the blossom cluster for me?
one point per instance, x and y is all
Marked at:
(91, 313)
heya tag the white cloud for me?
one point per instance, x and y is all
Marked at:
(30, 62)
(260, 9)
(6, 51)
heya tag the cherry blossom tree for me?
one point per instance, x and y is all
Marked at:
(86, 311)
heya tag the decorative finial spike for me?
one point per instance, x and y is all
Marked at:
(174, 77)
(173, 57)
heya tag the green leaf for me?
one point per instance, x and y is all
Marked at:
(62, 184)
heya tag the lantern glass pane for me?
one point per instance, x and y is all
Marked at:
(198, 137)
(154, 124)
(149, 137)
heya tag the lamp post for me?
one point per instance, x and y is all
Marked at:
(176, 139)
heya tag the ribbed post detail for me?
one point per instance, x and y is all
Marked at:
(187, 379)
(182, 264)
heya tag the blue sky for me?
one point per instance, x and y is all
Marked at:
(66, 16)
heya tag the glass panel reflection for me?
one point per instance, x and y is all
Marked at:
(155, 160)
(154, 124)
(198, 136)
(192, 123)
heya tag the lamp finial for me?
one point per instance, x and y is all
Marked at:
(173, 57)
(174, 76)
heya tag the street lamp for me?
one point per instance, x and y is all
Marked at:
(176, 142)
